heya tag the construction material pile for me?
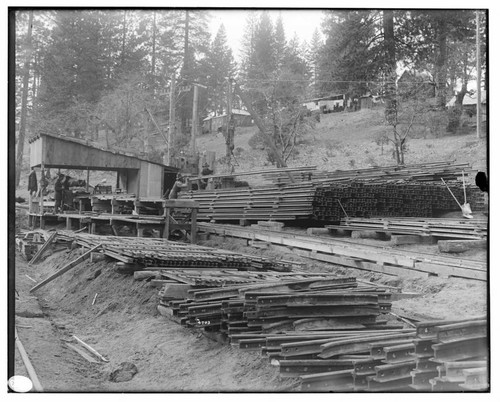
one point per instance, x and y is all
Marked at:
(289, 303)
(376, 192)
(137, 253)
(334, 201)
(279, 203)
(450, 228)
(422, 172)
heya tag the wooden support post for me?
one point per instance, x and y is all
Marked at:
(40, 203)
(166, 228)
(88, 179)
(68, 223)
(66, 268)
(93, 228)
(194, 216)
(140, 231)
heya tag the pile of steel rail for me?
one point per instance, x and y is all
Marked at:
(314, 302)
(451, 356)
(418, 172)
(334, 201)
(261, 203)
(439, 356)
(449, 228)
(160, 253)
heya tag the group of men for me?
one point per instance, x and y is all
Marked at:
(61, 184)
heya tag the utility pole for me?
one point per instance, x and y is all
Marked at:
(478, 69)
(229, 115)
(194, 123)
(171, 120)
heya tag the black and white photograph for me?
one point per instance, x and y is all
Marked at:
(249, 199)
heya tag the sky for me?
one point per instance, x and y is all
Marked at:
(302, 22)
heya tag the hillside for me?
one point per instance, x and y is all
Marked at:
(347, 141)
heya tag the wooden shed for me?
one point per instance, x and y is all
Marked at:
(134, 175)
(217, 123)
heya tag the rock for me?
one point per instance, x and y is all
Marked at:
(125, 372)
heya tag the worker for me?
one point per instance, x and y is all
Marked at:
(205, 172)
(58, 190)
(43, 185)
(178, 185)
(32, 182)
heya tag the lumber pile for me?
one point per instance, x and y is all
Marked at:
(448, 228)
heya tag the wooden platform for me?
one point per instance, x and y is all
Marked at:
(349, 254)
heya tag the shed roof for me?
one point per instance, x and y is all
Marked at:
(240, 112)
(74, 153)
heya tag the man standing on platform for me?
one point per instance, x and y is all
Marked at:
(32, 182)
(58, 190)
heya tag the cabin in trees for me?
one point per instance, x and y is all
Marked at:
(217, 123)
(469, 107)
(416, 83)
(134, 175)
(327, 104)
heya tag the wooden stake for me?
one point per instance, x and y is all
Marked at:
(66, 268)
(91, 349)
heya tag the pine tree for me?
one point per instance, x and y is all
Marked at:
(221, 66)
(279, 43)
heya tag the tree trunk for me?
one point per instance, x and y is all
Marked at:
(153, 56)
(24, 104)
(185, 111)
(441, 64)
(455, 113)
(389, 44)
(124, 36)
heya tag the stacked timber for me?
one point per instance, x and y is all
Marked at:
(449, 228)
(423, 172)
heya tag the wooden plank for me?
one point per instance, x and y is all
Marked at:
(82, 353)
(27, 363)
(45, 246)
(66, 268)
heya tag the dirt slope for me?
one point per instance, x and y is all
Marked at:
(124, 326)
